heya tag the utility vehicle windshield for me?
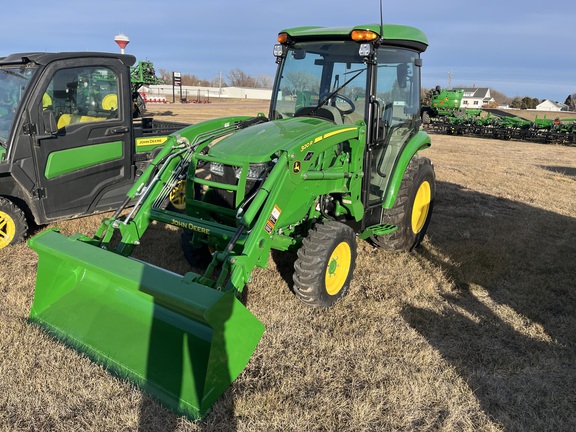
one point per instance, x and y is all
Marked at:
(13, 82)
(324, 79)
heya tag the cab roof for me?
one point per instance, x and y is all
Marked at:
(390, 34)
(43, 58)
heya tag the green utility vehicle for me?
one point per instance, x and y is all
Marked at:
(335, 160)
(69, 145)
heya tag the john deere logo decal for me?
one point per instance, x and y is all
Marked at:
(297, 166)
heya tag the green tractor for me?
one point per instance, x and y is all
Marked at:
(335, 160)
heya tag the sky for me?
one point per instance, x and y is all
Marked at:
(517, 47)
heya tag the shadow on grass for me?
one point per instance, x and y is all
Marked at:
(567, 171)
(187, 357)
(508, 326)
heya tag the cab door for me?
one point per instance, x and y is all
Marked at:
(86, 165)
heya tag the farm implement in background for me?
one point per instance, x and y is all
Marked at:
(442, 113)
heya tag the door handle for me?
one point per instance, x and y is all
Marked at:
(117, 130)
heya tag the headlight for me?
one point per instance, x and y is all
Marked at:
(254, 172)
(217, 168)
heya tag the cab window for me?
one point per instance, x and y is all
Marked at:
(83, 94)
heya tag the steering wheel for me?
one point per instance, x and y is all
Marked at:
(345, 99)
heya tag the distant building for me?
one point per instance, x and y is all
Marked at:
(549, 105)
(198, 93)
(476, 97)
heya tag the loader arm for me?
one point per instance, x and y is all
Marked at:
(157, 181)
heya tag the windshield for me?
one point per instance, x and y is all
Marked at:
(322, 76)
(13, 82)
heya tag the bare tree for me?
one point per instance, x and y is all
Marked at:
(571, 102)
(166, 75)
(239, 78)
(500, 98)
(264, 81)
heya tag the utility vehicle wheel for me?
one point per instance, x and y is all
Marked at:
(413, 208)
(325, 264)
(13, 225)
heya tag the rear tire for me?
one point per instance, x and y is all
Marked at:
(425, 117)
(13, 225)
(325, 264)
(412, 210)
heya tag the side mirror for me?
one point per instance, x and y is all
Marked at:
(50, 126)
(300, 54)
(402, 74)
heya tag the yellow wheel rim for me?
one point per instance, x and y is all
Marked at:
(421, 207)
(178, 195)
(338, 268)
(7, 229)
(110, 102)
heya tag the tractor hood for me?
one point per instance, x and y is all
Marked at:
(260, 142)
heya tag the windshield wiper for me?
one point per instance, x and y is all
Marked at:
(9, 72)
(331, 95)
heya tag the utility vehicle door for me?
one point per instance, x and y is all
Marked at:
(83, 147)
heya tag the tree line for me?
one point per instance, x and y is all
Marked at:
(234, 78)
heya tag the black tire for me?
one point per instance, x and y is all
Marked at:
(425, 117)
(325, 264)
(197, 257)
(13, 225)
(412, 210)
(139, 105)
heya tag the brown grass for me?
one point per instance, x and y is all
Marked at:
(475, 331)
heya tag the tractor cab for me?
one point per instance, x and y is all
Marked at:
(356, 77)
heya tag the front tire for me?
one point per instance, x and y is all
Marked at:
(13, 225)
(325, 264)
(412, 210)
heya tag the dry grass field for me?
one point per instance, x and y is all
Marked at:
(475, 331)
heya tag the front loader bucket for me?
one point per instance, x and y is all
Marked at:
(179, 340)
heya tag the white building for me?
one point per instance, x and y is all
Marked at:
(549, 105)
(475, 97)
(197, 93)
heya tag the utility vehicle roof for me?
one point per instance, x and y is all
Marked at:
(390, 34)
(43, 58)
